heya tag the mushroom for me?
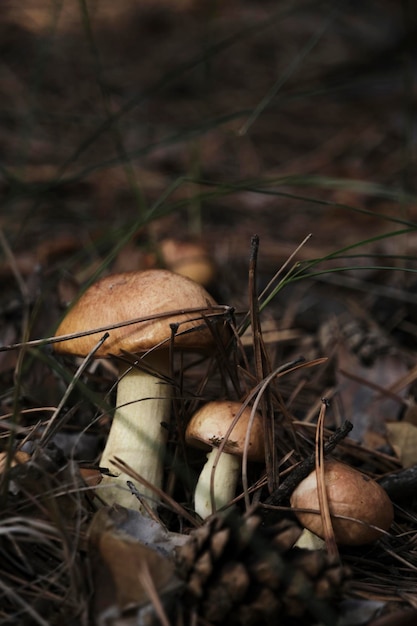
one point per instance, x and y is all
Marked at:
(138, 433)
(208, 429)
(188, 258)
(350, 494)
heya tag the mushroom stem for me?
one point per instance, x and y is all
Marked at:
(137, 435)
(225, 480)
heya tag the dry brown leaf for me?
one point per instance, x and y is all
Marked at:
(402, 436)
(128, 573)
(364, 389)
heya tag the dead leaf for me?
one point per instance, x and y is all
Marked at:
(402, 436)
(127, 572)
(368, 373)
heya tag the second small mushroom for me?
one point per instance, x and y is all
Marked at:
(207, 429)
(361, 508)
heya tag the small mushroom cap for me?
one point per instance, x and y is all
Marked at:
(130, 295)
(188, 258)
(350, 493)
(209, 425)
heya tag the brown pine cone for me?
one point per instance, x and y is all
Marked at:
(240, 573)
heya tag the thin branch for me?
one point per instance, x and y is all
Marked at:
(301, 471)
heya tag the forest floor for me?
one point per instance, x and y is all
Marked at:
(125, 124)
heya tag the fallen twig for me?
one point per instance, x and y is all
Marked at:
(301, 471)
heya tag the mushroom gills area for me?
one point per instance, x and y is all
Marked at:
(137, 435)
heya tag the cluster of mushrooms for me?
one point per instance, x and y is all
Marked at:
(148, 315)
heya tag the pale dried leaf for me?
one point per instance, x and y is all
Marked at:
(402, 436)
(309, 541)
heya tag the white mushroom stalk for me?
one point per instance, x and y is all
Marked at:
(158, 298)
(137, 436)
(225, 469)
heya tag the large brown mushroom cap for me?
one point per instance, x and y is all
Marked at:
(209, 425)
(350, 493)
(130, 295)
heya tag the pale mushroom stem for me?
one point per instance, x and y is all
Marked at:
(137, 435)
(226, 475)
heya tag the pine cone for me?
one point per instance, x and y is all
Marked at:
(240, 573)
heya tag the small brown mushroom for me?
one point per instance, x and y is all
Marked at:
(350, 494)
(207, 429)
(188, 258)
(138, 435)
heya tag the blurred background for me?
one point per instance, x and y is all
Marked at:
(126, 125)
(123, 123)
